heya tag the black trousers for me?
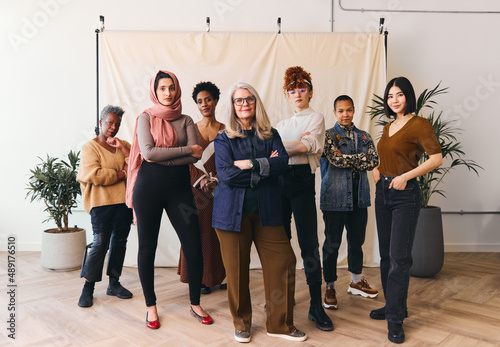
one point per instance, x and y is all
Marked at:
(111, 230)
(298, 197)
(397, 215)
(355, 224)
(168, 188)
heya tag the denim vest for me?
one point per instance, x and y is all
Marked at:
(336, 183)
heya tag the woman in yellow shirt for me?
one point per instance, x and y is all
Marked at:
(102, 176)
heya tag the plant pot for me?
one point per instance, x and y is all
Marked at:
(63, 251)
(428, 247)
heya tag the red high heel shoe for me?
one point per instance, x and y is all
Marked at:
(204, 320)
(152, 324)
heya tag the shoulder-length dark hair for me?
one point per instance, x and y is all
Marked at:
(404, 84)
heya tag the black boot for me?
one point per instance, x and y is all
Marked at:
(87, 297)
(316, 312)
(396, 333)
(116, 289)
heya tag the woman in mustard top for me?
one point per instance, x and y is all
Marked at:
(397, 198)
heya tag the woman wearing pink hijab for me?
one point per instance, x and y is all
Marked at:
(164, 144)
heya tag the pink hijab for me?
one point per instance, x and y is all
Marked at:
(163, 133)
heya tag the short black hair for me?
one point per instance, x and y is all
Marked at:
(209, 87)
(111, 109)
(159, 76)
(404, 84)
(342, 98)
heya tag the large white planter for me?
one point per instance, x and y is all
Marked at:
(63, 251)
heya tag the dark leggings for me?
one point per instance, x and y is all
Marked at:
(168, 188)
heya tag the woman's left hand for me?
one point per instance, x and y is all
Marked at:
(242, 164)
(398, 183)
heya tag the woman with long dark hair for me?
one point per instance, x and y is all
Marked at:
(397, 198)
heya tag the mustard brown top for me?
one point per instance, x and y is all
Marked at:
(97, 175)
(401, 152)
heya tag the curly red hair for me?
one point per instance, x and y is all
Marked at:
(296, 77)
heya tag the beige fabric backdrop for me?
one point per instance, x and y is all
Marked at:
(340, 63)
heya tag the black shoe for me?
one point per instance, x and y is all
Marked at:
(318, 315)
(87, 298)
(223, 286)
(379, 314)
(119, 291)
(396, 333)
(205, 290)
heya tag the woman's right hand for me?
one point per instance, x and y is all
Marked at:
(208, 185)
(376, 174)
(196, 151)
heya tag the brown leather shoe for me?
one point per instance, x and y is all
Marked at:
(330, 299)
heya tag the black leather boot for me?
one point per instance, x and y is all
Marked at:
(396, 333)
(316, 312)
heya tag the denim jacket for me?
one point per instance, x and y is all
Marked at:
(336, 183)
(230, 191)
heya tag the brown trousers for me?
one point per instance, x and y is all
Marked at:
(278, 268)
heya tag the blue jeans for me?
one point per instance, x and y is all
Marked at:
(298, 197)
(397, 214)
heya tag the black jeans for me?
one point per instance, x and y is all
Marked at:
(355, 225)
(168, 188)
(298, 197)
(397, 214)
(109, 234)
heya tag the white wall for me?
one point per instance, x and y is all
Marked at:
(47, 84)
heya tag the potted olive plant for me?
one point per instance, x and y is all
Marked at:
(54, 182)
(428, 247)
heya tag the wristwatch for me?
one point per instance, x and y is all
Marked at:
(250, 164)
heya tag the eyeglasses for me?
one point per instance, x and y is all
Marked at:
(301, 91)
(240, 101)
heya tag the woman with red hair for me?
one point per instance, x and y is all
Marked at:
(303, 136)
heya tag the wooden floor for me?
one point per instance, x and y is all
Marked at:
(459, 307)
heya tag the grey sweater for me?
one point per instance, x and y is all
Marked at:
(180, 155)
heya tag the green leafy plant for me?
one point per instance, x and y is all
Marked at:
(54, 182)
(446, 134)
